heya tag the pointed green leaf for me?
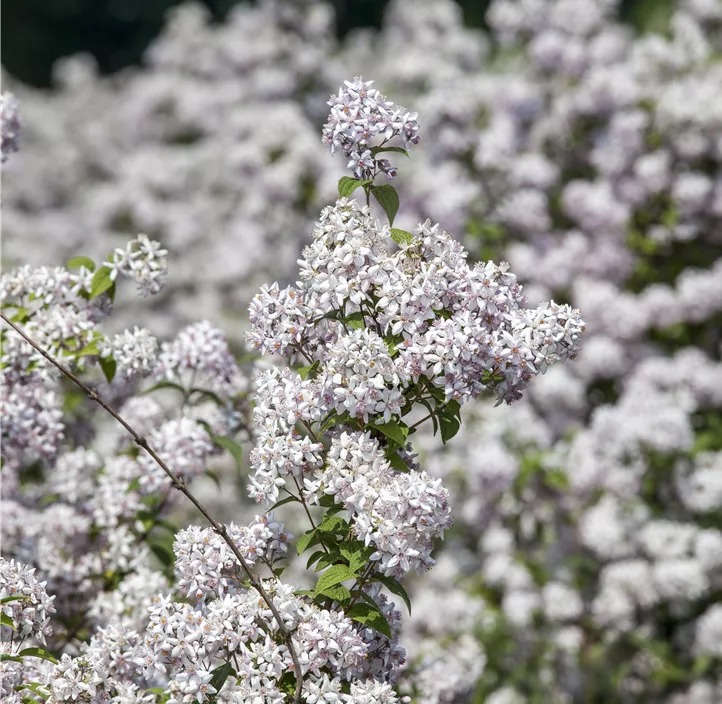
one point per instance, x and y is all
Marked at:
(165, 556)
(310, 371)
(398, 150)
(395, 461)
(338, 593)
(401, 236)
(17, 597)
(371, 617)
(77, 262)
(395, 587)
(347, 185)
(326, 560)
(449, 425)
(231, 446)
(109, 367)
(37, 653)
(356, 321)
(101, 282)
(283, 502)
(333, 576)
(394, 430)
(332, 524)
(220, 675)
(305, 541)
(164, 385)
(357, 554)
(388, 199)
(214, 476)
(315, 556)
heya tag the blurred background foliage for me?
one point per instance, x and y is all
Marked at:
(35, 33)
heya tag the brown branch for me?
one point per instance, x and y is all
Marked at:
(179, 484)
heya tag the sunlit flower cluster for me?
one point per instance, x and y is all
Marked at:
(360, 116)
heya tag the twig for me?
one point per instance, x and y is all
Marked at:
(179, 484)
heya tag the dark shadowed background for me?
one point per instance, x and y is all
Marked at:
(116, 32)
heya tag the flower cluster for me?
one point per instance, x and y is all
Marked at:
(399, 514)
(199, 356)
(456, 325)
(25, 601)
(205, 564)
(359, 116)
(143, 260)
(10, 119)
(134, 353)
(182, 444)
(185, 643)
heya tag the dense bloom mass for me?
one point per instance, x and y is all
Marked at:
(561, 140)
(360, 116)
(10, 119)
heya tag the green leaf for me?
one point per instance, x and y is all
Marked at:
(397, 431)
(398, 150)
(17, 597)
(388, 199)
(21, 315)
(442, 313)
(210, 395)
(437, 393)
(4, 657)
(283, 502)
(370, 617)
(36, 687)
(165, 385)
(454, 407)
(109, 367)
(332, 524)
(338, 593)
(347, 185)
(77, 262)
(333, 576)
(287, 684)
(356, 553)
(164, 555)
(5, 620)
(327, 559)
(304, 592)
(401, 236)
(327, 501)
(304, 541)
(310, 371)
(91, 348)
(356, 321)
(214, 476)
(392, 343)
(101, 282)
(395, 461)
(37, 653)
(449, 425)
(232, 446)
(315, 556)
(556, 479)
(395, 587)
(220, 675)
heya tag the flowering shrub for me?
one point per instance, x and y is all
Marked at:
(387, 322)
(582, 562)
